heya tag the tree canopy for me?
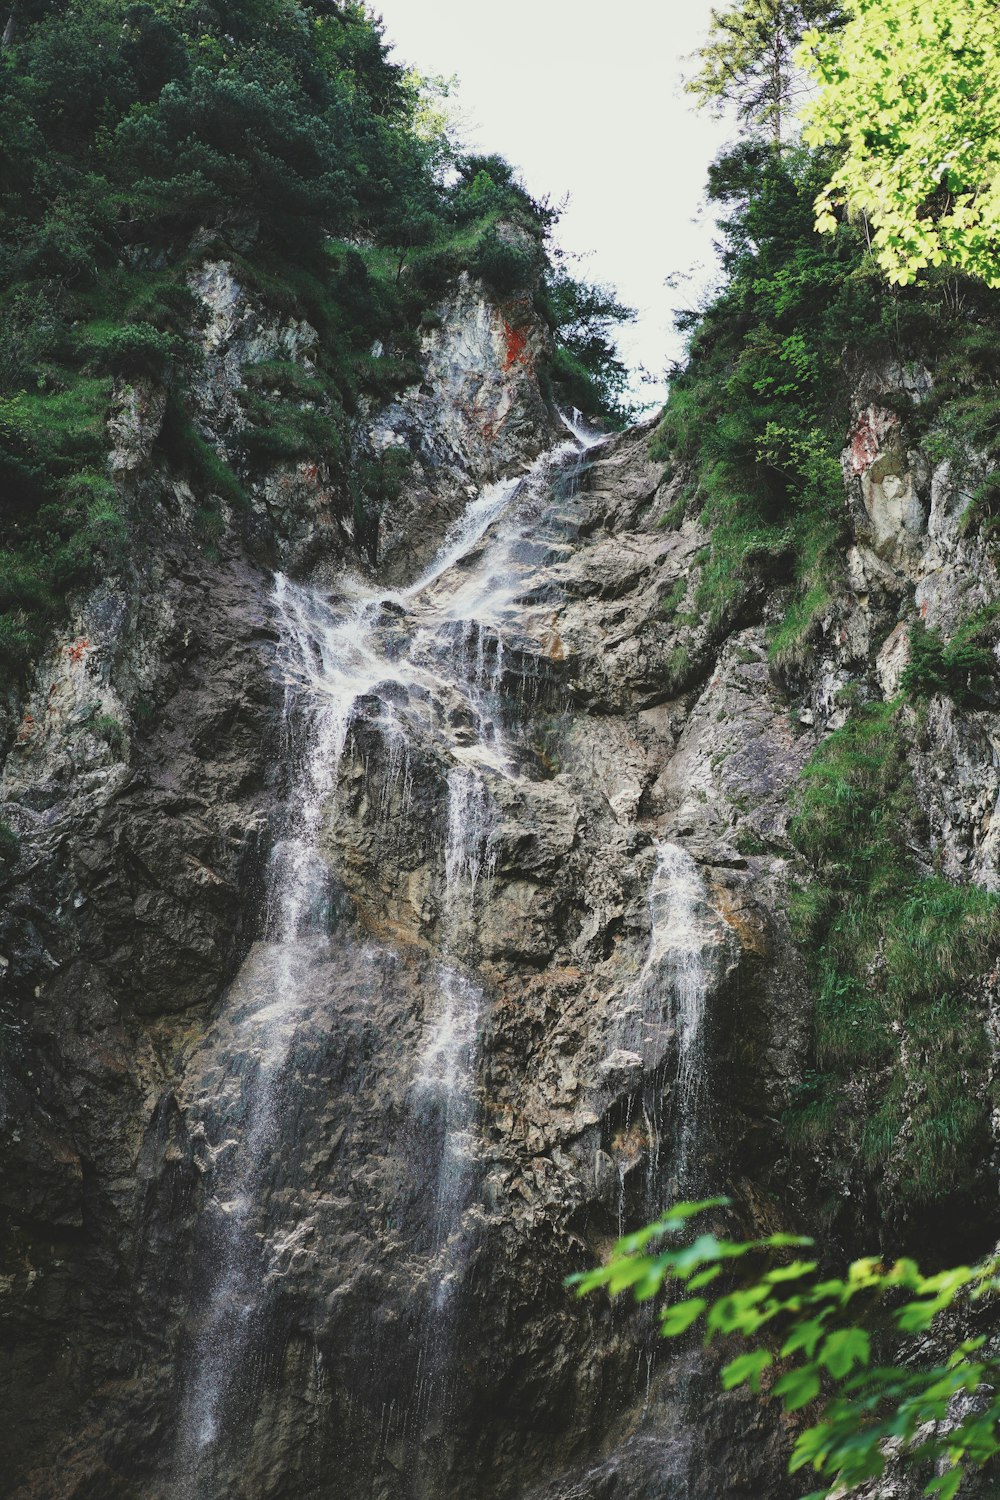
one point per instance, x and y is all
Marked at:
(909, 95)
(748, 59)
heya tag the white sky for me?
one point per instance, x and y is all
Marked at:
(585, 98)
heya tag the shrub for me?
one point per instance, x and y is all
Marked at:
(961, 668)
(109, 729)
(855, 1354)
(506, 267)
(186, 450)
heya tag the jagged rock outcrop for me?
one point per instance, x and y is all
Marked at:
(472, 1045)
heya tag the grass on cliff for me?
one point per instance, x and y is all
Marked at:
(897, 957)
(759, 409)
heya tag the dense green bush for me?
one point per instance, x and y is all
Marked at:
(503, 265)
(963, 668)
(760, 408)
(587, 371)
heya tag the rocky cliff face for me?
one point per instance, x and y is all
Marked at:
(380, 946)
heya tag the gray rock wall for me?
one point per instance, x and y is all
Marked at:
(132, 943)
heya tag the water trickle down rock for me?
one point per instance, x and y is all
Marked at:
(341, 684)
(689, 944)
(264, 1013)
(607, 750)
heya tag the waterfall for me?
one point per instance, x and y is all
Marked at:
(296, 917)
(662, 1015)
(436, 683)
(679, 946)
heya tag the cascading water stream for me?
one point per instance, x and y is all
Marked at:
(663, 1013)
(295, 919)
(659, 1038)
(335, 652)
(679, 947)
(445, 1088)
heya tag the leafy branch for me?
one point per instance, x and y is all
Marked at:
(814, 1338)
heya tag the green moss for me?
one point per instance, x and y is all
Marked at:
(738, 549)
(895, 955)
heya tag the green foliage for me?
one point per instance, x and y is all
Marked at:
(673, 599)
(133, 350)
(187, 451)
(62, 516)
(801, 620)
(586, 370)
(377, 481)
(962, 668)
(140, 140)
(109, 729)
(908, 91)
(843, 1340)
(283, 430)
(895, 955)
(504, 265)
(758, 411)
(747, 60)
(678, 668)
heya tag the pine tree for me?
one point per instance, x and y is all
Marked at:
(748, 59)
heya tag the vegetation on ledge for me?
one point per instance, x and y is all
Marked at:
(759, 410)
(142, 139)
(758, 415)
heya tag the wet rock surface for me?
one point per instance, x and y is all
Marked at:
(461, 1058)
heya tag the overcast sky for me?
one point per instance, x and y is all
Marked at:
(585, 98)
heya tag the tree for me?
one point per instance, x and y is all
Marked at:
(587, 367)
(908, 92)
(749, 59)
(814, 1337)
